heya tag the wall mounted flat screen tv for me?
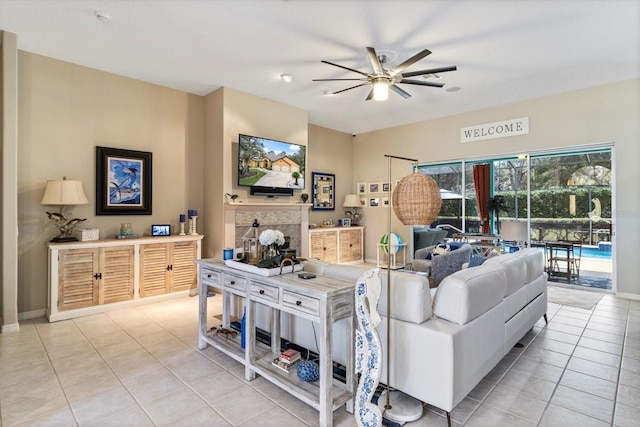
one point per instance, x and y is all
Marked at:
(266, 163)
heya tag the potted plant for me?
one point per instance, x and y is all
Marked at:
(495, 205)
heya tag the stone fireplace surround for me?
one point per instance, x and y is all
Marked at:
(291, 219)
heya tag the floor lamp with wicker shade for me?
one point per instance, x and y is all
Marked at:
(415, 201)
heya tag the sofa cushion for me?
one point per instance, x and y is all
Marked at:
(514, 267)
(476, 260)
(534, 261)
(469, 293)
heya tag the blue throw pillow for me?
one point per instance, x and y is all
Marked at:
(455, 245)
(476, 260)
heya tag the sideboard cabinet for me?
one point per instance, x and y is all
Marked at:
(87, 277)
(341, 245)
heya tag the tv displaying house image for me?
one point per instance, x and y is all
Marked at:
(268, 163)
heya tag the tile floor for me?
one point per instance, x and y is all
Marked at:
(140, 366)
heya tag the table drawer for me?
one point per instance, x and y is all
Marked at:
(301, 303)
(265, 292)
(235, 282)
(210, 277)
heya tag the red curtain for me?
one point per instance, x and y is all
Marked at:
(481, 175)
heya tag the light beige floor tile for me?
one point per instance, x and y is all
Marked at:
(597, 356)
(557, 416)
(571, 321)
(487, 416)
(583, 403)
(611, 329)
(179, 404)
(26, 373)
(219, 386)
(92, 387)
(546, 356)
(242, 405)
(268, 389)
(274, 417)
(132, 417)
(559, 336)
(193, 367)
(32, 407)
(102, 406)
(463, 410)
(603, 336)
(203, 417)
(529, 385)
(596, 344)
(15, 360)
(632, 342)
(631, 364)
(118, 348)
(482, 390)
(589, 384)
(567, 329)
(517, 404)
(538, 369)
(152, 385)
(633, 353)
(62, 417)
(301, 410)
(626, 416)
(629, 378)
(429, 419)
(594, 369)
(629, 396)
(553, 345)
(47, 385)
(106, 339)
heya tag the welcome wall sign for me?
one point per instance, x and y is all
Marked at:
(502, 129)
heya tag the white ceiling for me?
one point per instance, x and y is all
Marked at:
(506, 51)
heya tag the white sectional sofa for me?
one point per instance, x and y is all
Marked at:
(445, 340)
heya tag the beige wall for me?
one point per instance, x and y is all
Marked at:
(65, 111)
(603, 114)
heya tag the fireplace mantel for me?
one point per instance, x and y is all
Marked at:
(299, 210)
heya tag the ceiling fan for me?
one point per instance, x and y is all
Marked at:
(384, 79)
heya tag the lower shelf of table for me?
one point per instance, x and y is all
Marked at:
(308, 392)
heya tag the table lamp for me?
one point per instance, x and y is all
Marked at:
(64, 193)
(352, 204)
(515, 231)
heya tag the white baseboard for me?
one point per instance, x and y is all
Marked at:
(32, 314)
(628, 296)
(14, 327)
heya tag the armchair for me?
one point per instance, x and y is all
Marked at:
(441, 266)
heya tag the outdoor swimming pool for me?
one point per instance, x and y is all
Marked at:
(601, 251)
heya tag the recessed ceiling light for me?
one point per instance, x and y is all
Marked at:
(453, 89)
(286, 77)
(102, 16)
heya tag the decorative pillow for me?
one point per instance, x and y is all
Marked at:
(440, 249)
(455, 245)
(476, 260)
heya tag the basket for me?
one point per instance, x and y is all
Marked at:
(416, 199)
(88, 234)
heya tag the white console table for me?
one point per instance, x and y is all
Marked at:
(321, 300)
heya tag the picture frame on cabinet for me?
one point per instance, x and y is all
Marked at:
(123, 181)
(364, 202)
(386, 187)
(374, 202)
(346, 222)
(361, 188)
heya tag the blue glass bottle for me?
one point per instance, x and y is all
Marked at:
(243, 328)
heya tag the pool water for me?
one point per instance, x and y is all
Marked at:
(596, 252)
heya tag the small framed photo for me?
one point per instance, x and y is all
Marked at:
(160, 230)
(384, 201)
(364, 202)
(374, 202)
(374, 187)
(346, 222)
(362, 188)
(386, 187)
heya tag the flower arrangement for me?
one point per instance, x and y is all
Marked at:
(271, 237)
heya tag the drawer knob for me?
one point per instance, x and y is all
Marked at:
(261, 291)
(209, 276)
(233, 282)
(298, 303)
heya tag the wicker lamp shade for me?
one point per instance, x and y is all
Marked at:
(416, 199)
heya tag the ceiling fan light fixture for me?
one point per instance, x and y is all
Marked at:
(380, 90)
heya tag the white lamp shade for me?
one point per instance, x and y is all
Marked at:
(64, 192)
(380, 91)
(514, 231)
(352, 201)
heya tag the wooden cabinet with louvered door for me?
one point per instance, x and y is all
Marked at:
(85, 276)
(78, 275)
(167, 267)
(116, 269)
(324, 245)
(183, 269)
(350, 245)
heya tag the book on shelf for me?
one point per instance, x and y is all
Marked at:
(290, 356)
(282, 365)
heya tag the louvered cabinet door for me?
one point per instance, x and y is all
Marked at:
(117, 274)
(324, 246)
(183, 267)
(77, 278)
(154, 269)
(350, 245)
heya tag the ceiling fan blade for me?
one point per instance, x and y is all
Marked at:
(375, 61)
(370, 96)
(430, 71)
(419, 83)
(349, 88)
(415, 58)
(344, 68)
(338, 80)
(400, 92)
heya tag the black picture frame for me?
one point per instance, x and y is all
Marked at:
(123, 181)
(323, 191)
